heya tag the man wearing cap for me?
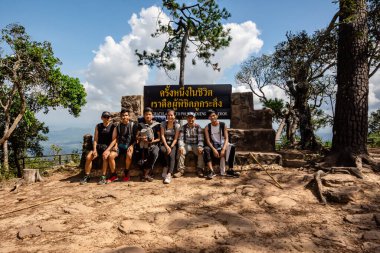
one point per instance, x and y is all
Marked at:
(190, 140)
(101, 147)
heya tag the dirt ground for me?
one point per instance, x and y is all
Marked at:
(246, 214)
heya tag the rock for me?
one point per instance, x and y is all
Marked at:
(124, 249)
(377, 219)
(371, 247)
(342, 195)
(359, 218)
(202, 234)
(235, 223)
(52, 226)
(135, 227)
(328, 236)
(280, 202)
(291, 154)
(293, 163)
(77, 208)
(371, 235)
(29, 232)
(245, 158)
(334, 180)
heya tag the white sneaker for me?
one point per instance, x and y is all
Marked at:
(168, 179)
(164, 172)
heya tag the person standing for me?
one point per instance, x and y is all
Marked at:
(102, 146)
(190, 140)
(217, 146)
(169, 137)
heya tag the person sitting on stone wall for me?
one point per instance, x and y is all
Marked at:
(169, 137)
(101, 147)
(217, 146)
(190, 140)
(124, 136)
(148, 139)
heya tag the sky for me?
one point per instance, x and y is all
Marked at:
(96, 40)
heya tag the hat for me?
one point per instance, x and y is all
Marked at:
(191, 114)
(106, 114)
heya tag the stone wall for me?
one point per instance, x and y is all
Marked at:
(135, 104)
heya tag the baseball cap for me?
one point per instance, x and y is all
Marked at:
(191, 114)
(106, 114)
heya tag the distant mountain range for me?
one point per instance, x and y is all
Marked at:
(69, 139)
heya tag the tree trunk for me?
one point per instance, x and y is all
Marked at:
(5, 156)
(280, 129)
(303, 113)
(350, 128)
(17, 161)
(182, 59)
(32, 176)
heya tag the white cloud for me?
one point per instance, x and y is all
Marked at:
(374, 92)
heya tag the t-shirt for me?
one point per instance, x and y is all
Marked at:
(170, 132)
(105, 133)
(216, 136)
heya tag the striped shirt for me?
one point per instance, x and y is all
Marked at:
(192, 136)
(170, 132)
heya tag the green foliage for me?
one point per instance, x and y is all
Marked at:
(374, 122)
(198, 24)
(55, 149)
(277, 106)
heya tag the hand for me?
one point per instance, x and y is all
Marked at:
(215, 152)
(168, 150)
(200, 150)
(181, 151)
(106, 154)
(223, 153)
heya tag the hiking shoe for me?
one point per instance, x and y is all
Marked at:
(200, 172)
(126, 178)
(102, 180)
(232, 173)
(112, 179)
(85, 179)
(168, 179)
(164, 172)
(210, 175)
(179, 174)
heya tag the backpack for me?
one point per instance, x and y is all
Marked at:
(147, 130)
(121, 136)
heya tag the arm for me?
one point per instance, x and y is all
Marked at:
(225, 145)
(208, 142)
(95, 142)
(163, 139)
(107, 152)
(158, 134)
(176, 136)
(200, 141)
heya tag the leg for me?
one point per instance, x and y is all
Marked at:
(111, 161)
(181, 161)
(200, 162)
(171, 159)
(207, 157)
(166, 160)
(87, 168)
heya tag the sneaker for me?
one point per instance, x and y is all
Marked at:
(168, 179)
(85, 179)
(112, 179)
(210, 175)
(148, 179)
(200, 172)
(102, 180)
(164, 172)
(179, 174)
(232, 173)
(126, 178)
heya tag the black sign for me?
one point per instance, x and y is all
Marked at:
(189, 98)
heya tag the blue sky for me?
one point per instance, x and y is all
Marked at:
(95, 40)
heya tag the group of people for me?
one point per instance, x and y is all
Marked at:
(144, 141)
